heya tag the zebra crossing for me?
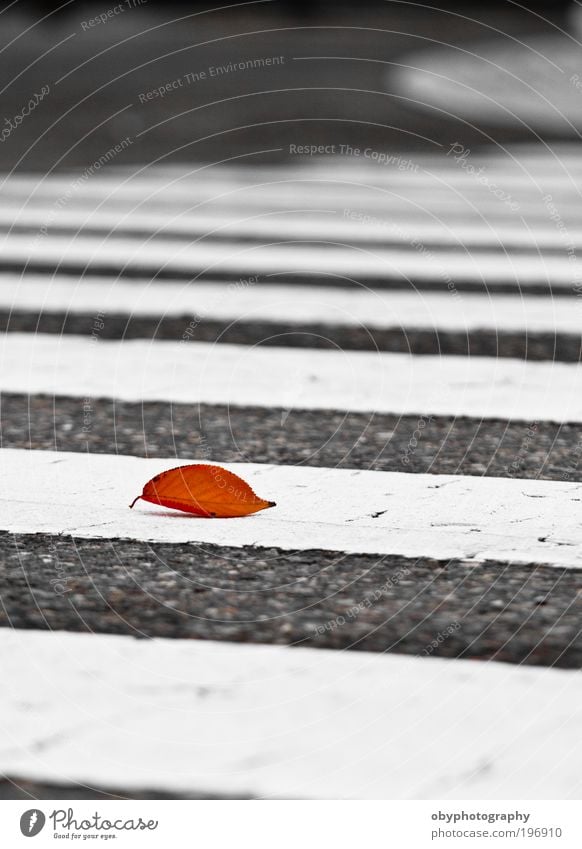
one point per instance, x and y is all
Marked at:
(312, 380)
(391, 356)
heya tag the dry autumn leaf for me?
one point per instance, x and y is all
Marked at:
(204, 490)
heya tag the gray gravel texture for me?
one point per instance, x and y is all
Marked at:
(487, 343)
(440, 445)
(517, 614)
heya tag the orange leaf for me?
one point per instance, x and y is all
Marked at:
(204, 490)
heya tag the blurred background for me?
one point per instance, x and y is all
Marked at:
(193, 81)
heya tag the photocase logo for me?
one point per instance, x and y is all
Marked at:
(32, 822)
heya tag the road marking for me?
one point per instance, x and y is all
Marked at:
(524, 84)
(291, 378)
(311, 598)
(292, 304)
(150, 256)
(439, 516)
(270, 721)
(520, 167)
(385, 219)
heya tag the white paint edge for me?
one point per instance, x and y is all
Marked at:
(438, 516)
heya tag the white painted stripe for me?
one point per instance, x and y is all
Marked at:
(336, 227)
(292, 305)
(387, 208)
(239, 260)
(188, 716)
(307, 192)
(362, 512)
(498, 85)
(411, 168)
(301, 185)
(543, 155)
(380, 204)
(291, 378)
(523, 172)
